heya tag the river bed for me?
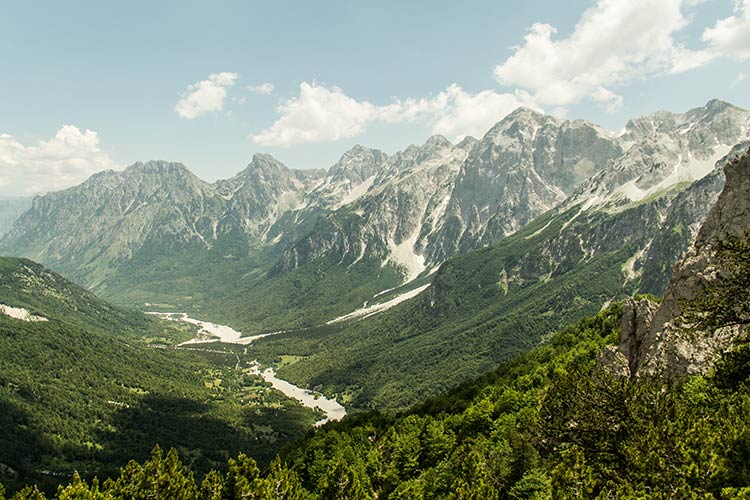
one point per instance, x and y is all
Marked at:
(212, 332)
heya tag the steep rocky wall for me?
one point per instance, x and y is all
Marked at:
(651, 342)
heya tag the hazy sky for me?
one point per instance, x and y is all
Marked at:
(92, 85)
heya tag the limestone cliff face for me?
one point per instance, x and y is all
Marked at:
(644, 192)
(650, 342)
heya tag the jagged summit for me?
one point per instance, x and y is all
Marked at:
(415, 208)
(437, 141)
(156, 166)
(358, 150)
(524, 112)
(665, 121)
(663, 151)
(358, 164)
(436, 146)
(467, 142)
(718, 105)
(263, 164)
(263, 159)
(520, 126)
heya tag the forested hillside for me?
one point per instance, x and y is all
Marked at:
(552, 424)
(489, 305)
(86, 386)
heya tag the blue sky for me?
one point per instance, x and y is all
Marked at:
(93, 85)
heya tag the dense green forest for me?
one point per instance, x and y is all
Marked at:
(95, 386)
(553, 423)
(257, 300)
(550, 424)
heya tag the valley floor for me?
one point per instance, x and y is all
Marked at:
(212, 333)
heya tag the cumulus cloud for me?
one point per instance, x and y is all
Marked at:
(456, 113)
(614, 42)
(65, 160)
(322, 113)
(262, 89)
(205, 96)
(318, 113)
(730, 37)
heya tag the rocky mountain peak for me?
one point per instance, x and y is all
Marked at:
(158, 178)
(716, 118)
(264, 178)
(155, 177)
(435, 147)
(358, 164)
(524, 113)
(264, 165)
(718, 106)
(158, 167)
(518, 128)
(664, 150)
(437, 142)
(712, 110)
(415, 208)
(651, 123)
(467, 143)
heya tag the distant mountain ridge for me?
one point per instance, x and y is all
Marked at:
(10, 210)
(407, 212)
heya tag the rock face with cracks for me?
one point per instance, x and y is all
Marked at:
(651, 341)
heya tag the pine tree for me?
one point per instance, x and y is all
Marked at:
(243, 479)
(79, 490)
(161, 478)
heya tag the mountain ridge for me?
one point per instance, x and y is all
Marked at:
(409, 211)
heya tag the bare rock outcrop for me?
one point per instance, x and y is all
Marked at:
(651, 342)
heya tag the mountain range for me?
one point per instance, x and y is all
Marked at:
(10, 210)
(541, 217)
(393, 217)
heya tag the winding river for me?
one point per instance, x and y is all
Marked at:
(212, 332)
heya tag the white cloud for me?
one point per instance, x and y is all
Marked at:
(614, 42)
(263, 89)
(317, 114)
(730, 37)
(205, 96)
(321, 113)
(456, 113)
(67, 159)
(741, 77)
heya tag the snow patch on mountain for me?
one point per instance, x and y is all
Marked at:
(355, 193)
(20, 313)
(688, 169)
(366, 311)
(403, 254)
